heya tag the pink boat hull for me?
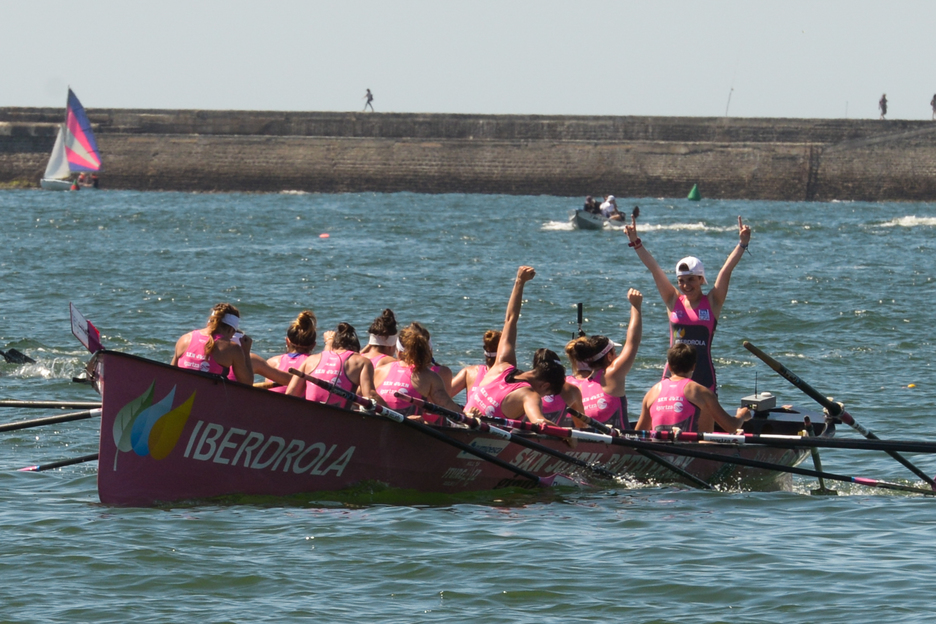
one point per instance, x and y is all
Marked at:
(169, 434)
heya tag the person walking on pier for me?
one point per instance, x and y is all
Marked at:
(370, 98)
(883, 105)
(933, 106)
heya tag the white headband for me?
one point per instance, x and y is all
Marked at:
(230, 319)
(490, 354)
(382, 341)
(603, 353)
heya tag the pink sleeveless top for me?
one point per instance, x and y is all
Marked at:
(287, 361)
(331, 368)
(376, 359)
(194, 356)
(489, 397)
(599, 404)
(554, 407)
(480, 372)
(696, 328)
(673, 409)
(400, 379)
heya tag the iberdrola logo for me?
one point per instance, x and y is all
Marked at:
(148, 428)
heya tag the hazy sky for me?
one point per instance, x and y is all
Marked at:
(787, 58)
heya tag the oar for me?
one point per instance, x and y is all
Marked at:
(14, 356)
(48, 404)
(580, 319)
(426, 429)
(59, 464)
(602, 427)
(676, 449)
(817, 462)
(474, 423)
(50, 420)
(835, 409)
(784, 441)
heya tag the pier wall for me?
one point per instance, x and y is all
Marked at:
(742, 158)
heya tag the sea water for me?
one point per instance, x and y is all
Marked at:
(843, 294)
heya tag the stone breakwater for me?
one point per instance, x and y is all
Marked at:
(738, 158)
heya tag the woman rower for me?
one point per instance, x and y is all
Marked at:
(342, 366)
(680, 403)
(555, 406)
(505, 391)
(382, 340)
(693, 314)
(212, 350)
(300, 340)
(600, 373)
(412, 375)
(439, 369)
(468, 376)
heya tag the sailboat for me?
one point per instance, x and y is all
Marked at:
(75, 150)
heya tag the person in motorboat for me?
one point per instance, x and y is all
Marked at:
(680, 403)
(212, 348)
(693, 315)
(469, 376)
(300, 340)
(555, 406)
(342, 366)
(600, 371)
(382, 338)
(609, 209)
(440, 369)
(412, 375)
(591, 206)
(505, 391)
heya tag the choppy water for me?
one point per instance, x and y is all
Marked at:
(842, 293)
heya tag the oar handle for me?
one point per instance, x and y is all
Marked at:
(475, 423)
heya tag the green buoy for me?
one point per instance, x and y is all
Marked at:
(694, 194)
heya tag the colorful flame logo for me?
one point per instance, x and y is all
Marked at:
(148, 428)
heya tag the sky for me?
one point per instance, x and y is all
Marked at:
(746, 58)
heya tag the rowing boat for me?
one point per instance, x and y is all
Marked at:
(170, 434)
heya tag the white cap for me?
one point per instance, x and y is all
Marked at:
(610, 198)
(693, 267)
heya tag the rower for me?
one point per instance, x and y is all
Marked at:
(693, 314)
(600, 372)
(679, 402)
(382, 338)
(555, 406)
(469, 376)
(505, 391)
(412, 375)
(342, 366)
(300, 340)
(212, 348)
(440, 369)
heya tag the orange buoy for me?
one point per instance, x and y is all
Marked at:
(323, 235)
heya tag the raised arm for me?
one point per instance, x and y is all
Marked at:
(625, 359)
(719, 292)
(507, 348)
(668, 292)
